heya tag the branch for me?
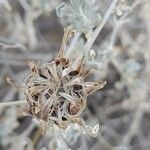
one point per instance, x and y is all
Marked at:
(13, 103)
(96, 32)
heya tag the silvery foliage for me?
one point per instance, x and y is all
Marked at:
(131, 67)
(8, 123)
(68, 134)
(120, 148)
(129, 70)
(80, 14)
(63, 140)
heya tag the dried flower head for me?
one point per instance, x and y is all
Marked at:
(57, 93)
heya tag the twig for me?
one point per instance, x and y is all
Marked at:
(104, 142)
(72, 45)
(11, 46)
(134, 127)
(14, 103)
(96, 32)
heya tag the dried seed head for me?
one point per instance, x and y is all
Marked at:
(56, 92)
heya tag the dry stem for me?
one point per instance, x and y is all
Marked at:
(13, 103)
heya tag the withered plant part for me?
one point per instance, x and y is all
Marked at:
(56, 92)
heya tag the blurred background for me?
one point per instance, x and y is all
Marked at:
(33, 30)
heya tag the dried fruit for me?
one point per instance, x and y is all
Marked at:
(56, 92)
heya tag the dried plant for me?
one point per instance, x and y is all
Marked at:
(56, 92)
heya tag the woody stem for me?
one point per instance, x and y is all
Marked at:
(67, 33)
(13, 103)
(96, 32)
